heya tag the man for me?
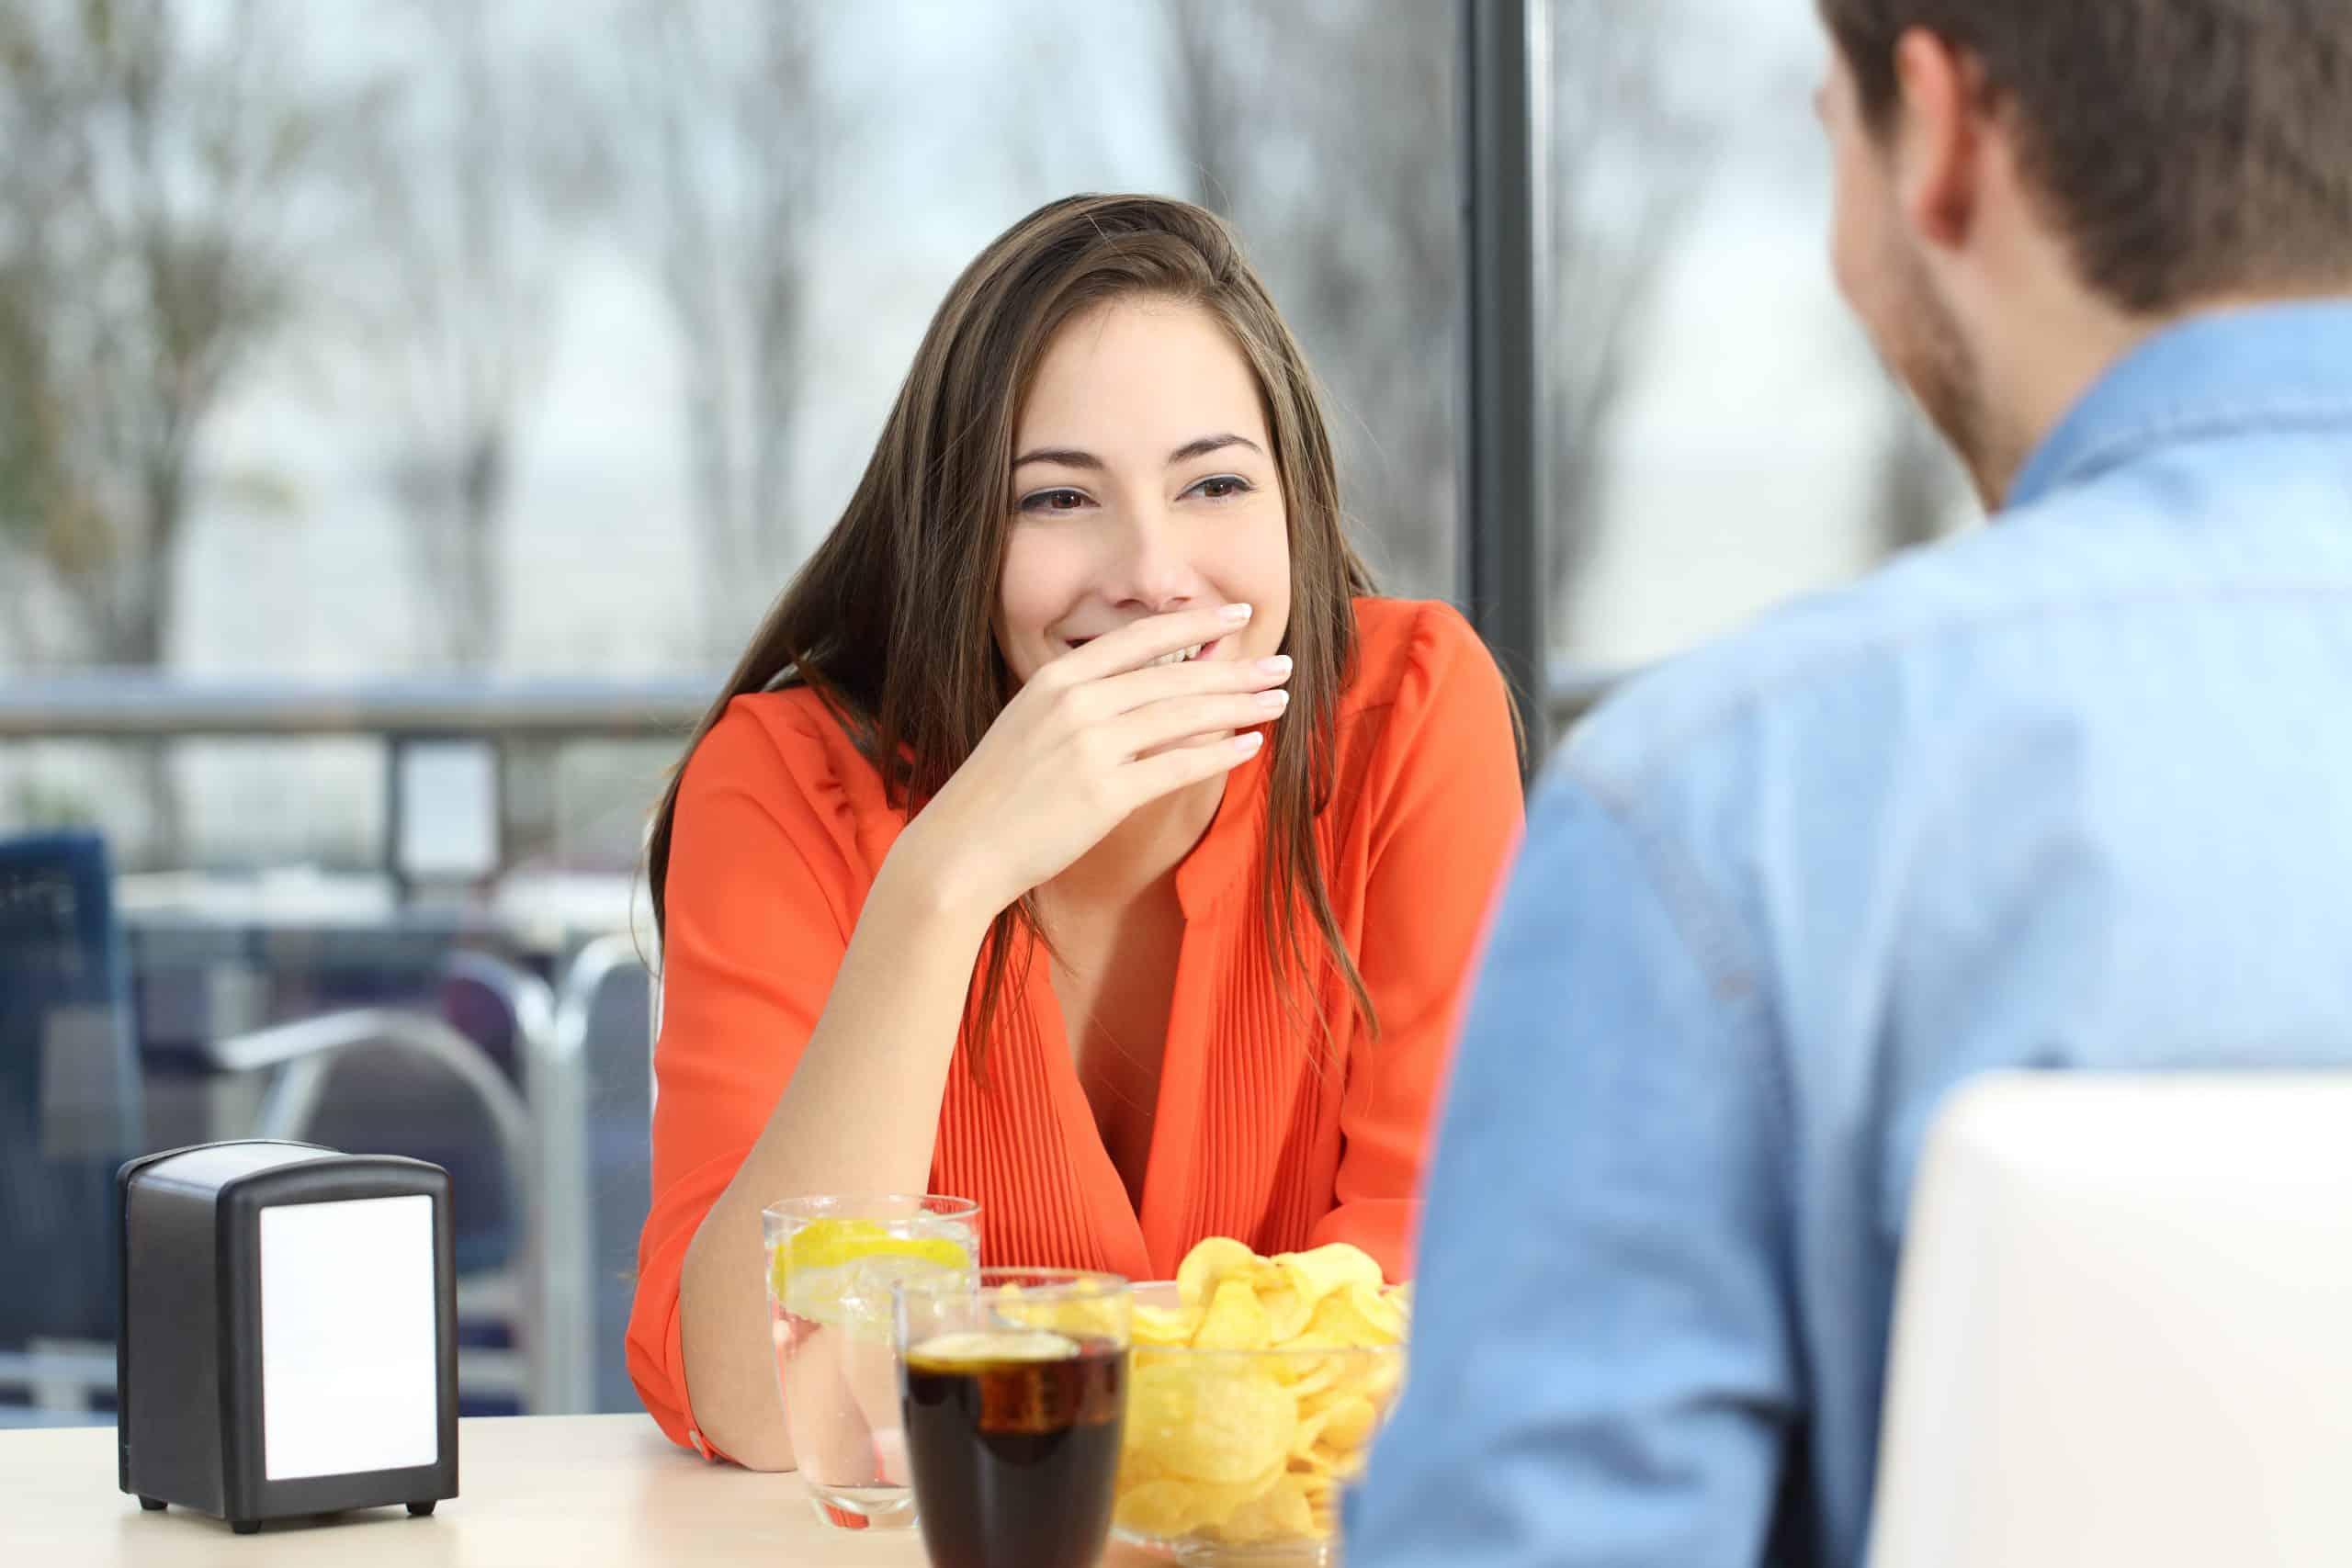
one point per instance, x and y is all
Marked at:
(2074, 791)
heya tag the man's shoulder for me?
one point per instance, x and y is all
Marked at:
(2014, 613)
(1790, 659)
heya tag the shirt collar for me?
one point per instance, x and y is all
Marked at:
(1218, 864)
(2261, 367)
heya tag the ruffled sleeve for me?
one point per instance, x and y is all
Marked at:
(759, 903)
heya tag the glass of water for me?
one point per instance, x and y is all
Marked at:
(832, 1263)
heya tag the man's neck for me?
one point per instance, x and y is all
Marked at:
(2061, 353)
(2056, 356)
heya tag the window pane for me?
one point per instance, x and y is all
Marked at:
(437, 379)
(1725, 439)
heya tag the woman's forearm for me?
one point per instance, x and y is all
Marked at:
(860, 1114)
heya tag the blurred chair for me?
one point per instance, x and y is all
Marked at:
(403, 1080)
(2123, 1331)
(604, 1018)
(431, 1086)
(69, 1114)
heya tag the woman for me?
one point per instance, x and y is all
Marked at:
(1076, 835)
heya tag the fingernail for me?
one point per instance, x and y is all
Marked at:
(1247, 742)
(1276, 699)
(1278, 665)
(1236, 614)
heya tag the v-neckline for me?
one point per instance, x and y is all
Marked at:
(1146, 1241)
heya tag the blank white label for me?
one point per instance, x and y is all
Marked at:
(448, 809)
(349, 1383)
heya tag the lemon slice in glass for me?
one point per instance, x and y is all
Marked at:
(839, 1271)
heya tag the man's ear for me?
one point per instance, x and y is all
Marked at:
(1939, 136)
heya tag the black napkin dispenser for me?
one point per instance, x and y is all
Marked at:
(288, 1332)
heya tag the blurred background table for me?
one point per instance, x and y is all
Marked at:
(577, 1491)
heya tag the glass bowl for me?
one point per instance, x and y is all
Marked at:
(1239, 1456)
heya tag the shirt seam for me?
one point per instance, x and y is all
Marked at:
(2099, 455)
(1708, 933)
(1710, 936)
(1828, 662)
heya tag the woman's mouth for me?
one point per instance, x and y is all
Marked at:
(1180, 656)
(1186, 655)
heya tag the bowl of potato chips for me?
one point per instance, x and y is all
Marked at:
(1255, 1387)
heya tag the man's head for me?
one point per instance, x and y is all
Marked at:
(2026, 188)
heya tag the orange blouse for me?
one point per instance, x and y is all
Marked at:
(781, 828)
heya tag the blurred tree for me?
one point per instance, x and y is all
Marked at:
(475, 180)
(1325, 129)
(1628, 158)
(1328, 130)
(154, 200)
(729, 128)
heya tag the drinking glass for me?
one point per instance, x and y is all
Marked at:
(832, 1261)
(1016, 1385)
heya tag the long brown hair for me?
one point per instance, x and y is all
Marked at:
(890, 621)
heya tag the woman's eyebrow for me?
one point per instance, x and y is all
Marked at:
(1063, 456)
(1208, 443)
(1071, 457)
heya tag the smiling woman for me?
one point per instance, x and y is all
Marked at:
(1078, 836)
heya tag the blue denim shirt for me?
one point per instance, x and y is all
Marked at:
(2073, 791)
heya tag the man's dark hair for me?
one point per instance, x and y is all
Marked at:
(2186, 148)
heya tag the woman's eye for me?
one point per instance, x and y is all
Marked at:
(1225, 487)
(1053, 501)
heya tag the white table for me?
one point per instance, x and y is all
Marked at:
(569, 1491)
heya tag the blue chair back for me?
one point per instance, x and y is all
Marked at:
(69, 1109)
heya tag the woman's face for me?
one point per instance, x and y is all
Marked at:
(1143, 482)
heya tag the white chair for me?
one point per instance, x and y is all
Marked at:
(603, 1020)
(2123, 1331)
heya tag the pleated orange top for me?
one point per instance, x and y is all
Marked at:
(781, 828)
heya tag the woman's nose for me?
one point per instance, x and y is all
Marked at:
(1153, 568)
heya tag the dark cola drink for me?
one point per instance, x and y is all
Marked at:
(1013, 1441)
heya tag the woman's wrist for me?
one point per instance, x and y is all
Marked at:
(939, 882)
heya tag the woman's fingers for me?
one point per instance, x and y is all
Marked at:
(1197, 678)
(1141, 643)
(1148, 778)
(1179, 719)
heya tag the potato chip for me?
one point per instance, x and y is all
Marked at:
(1139, 1465)
(1309, 1375)
(1280, 1513)
(1174, 1505)
(1358, 1319)
(1086, 1317)
(1287, 1312)
(1377, 1379)
(1163, 1508)
(1345, 1470)
(1217, 1423)
(1235, 1320)
(1347, 1425)
(1159, 1397)
(1318, 1461)
(1208, 1263)
(1166, 1325)
(1317, 1274)
(1379, 1310)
